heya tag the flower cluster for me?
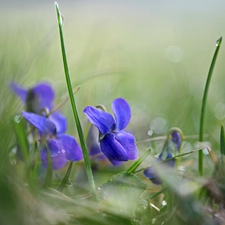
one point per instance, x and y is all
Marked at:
(172, 145)
(51, 126)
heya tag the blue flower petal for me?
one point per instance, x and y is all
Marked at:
(102, 120)
(44, 125)
(58, 155)
(72, 149)
(122, 112)
(176, 138)
(60, 122)
(113, 150)
(170, 163)
(151, 174)
(128, 142)
(19, 91)
(116, 163)
(45, 93)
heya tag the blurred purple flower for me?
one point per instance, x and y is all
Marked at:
(36, 98)
(151, 173)
(62, 146)
(115, 143)
(173, 143)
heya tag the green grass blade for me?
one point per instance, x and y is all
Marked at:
(138, 162)
(73, 104)
(49, 173)
(204, 100)
(66, 177)
(222, 141)
(21, 136)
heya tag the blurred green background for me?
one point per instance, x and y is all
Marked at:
(155, 54)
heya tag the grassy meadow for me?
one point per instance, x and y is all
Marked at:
(154, 54)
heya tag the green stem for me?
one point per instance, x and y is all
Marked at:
(48, 178)
(139, 161)
(204, 100)
(72, 100)
(66, 177)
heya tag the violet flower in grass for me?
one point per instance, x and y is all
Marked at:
(173, 143)
(115, 143)
(36, 98)
(93, 144)
(62, 146)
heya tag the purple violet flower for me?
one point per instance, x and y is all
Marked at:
(36, 98)
(151, 173)
(93, 144)
(62, 146)
(115, 143)
(173, 142)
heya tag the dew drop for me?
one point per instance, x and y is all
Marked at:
(17, 119)
(61, 20)
(63, 151)
(150, 133)
(218, 41)
(164, 203)
(60, 14)
(181, 169)
(13, 162)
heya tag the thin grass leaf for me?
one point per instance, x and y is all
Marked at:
(21, 136)
(204, 100)
(66, 177)
(222, 141)
(48, 178)
(139, 161)
(73, 104)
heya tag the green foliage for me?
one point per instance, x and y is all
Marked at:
(122, 193)
(162, 94)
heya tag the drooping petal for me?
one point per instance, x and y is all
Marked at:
(122, 112)
(168, 162)
(58, 156)
(113, 150)
(176, 138)
(44, 125)
(102, 120)
(128, 142)
(151, 174)
(19, 91)
(45, 93)
(116, 163)
(60, 122)
(72, 149)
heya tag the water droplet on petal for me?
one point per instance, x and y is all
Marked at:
(63, 151)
